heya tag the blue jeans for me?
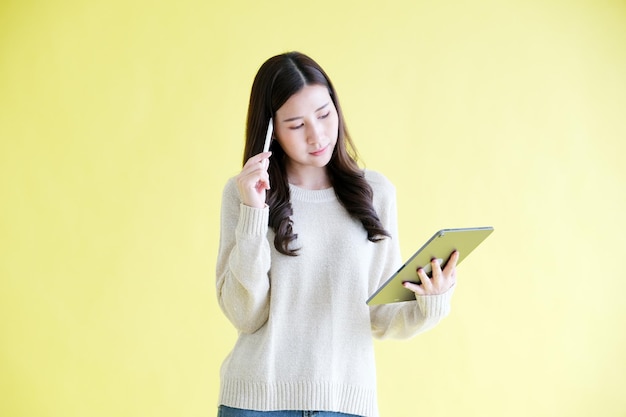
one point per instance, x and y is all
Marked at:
(224, 411)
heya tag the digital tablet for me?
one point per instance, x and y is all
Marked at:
(440, 247)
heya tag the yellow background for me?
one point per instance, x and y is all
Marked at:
(121, 120)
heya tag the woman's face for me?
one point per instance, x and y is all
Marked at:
(306, 127)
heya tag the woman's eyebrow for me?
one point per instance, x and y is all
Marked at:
(291, 119)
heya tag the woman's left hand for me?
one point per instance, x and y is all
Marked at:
(441, 280)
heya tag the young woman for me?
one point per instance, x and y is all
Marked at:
(306, 237)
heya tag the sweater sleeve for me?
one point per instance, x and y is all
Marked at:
(243, 262)
(410, 318)
(405, 319)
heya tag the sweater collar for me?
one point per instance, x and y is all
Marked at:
(312, 196)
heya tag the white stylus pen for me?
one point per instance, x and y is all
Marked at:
(268, 137)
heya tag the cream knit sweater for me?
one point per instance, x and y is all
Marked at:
(305, 332)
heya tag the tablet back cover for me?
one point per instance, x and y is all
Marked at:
(439, 246)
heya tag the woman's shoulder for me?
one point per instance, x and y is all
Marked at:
(230, 191)
(377, 180)
(230, 184)
(382, 187)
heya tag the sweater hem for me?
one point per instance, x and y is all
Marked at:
(301, 395)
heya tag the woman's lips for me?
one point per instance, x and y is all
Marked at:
(320, 152)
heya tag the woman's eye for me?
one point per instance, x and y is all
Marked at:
(296, 127)
(323, 116)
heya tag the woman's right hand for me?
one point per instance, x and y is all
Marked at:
(254, 180)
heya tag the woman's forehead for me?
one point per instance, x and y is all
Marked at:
(310, 98)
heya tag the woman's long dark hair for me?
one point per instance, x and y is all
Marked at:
(278, 79)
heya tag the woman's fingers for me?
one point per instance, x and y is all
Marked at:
(451, 264)
(440, 280)
(435, 267)
(254, 177)
(424, 286)
(253, 180)
(257, 158)
(259, 161)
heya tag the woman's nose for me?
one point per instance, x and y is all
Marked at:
(315, 132)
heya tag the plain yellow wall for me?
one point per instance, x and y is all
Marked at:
(121, 120)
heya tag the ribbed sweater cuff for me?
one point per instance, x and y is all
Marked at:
(253, 221)
(436, 305)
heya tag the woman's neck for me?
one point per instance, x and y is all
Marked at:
(309, 178)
